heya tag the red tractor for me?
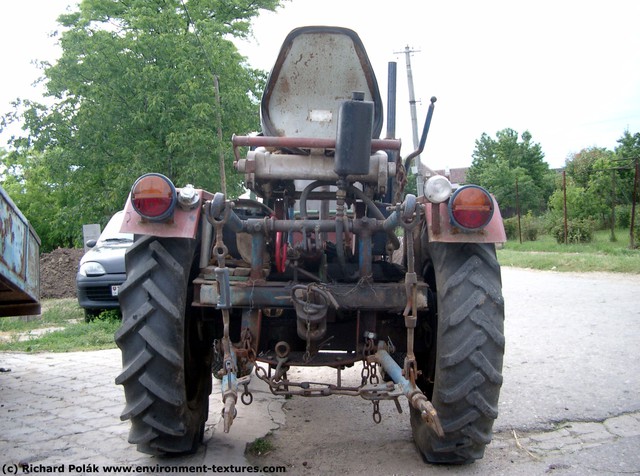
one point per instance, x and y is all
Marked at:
(334, 265)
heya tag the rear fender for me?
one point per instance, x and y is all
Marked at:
(440, 229)
(183, 223)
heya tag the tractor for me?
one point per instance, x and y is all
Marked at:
(328, 263)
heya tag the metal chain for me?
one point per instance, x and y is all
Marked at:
(373, 378)
(247, 397)
(246, 343)
(307, 354)
(365, 375)
(365, 372)
(377, 416)
(370, 373)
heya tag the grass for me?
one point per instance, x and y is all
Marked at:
(66, 329)
(600, 255)
(260, 447)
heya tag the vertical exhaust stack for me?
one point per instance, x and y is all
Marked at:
(353, 141)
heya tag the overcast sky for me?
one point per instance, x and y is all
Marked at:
(567, 71)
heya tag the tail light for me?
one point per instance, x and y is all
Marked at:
(154, 197)
(470, 208)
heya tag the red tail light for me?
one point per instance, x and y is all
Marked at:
(470, 208)
(154, 197)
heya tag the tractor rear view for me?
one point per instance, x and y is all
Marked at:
(334, 266)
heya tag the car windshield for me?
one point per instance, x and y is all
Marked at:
(111, 233)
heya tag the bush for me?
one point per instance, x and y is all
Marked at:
(531, 227)
(109, 315)
(511, 228)
(578, 231)
(636, 233)
(623, 216)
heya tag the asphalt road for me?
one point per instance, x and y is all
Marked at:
(570, 403)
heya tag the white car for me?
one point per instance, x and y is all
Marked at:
(101, 270)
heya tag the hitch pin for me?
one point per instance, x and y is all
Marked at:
(229, 385)
(229, 389)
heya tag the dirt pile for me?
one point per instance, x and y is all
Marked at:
(58, 273)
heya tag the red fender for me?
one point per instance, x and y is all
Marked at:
(440, 228)
(183, 223)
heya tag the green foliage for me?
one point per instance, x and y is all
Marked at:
(50, 206)
(412, 184)
(599, 180)
(499, 163)
(260, 447)
(581, 166)
(578, 231)
(623, 216)
(629, 147)
(133, 92)
(109, 315)
(511, 228)
(581, 203)
(530, 225)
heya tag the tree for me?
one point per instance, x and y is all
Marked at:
(133, 92)
(604, 178)
(627, 153)
(581, 203)
(629, 147)
(32, 187)
(498, 162)
(580, 166)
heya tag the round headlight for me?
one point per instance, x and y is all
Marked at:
(437, 189)
(154, 197)
(188, 197)
(91, 268)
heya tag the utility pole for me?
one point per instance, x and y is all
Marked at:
(414, 118)
(632, 228)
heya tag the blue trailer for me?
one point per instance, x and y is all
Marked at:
(19, 262)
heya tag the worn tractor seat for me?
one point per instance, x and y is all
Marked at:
(318, 68)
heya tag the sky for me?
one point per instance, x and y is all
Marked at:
(567, 71)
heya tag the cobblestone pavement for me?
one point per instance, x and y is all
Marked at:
(570, 403)
(64, 409)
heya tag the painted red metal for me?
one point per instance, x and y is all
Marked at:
(441, 230)
(183, 223)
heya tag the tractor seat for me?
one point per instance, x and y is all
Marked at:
(318, 68)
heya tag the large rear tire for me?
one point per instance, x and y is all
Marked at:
(166, 354)
(469, 352)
